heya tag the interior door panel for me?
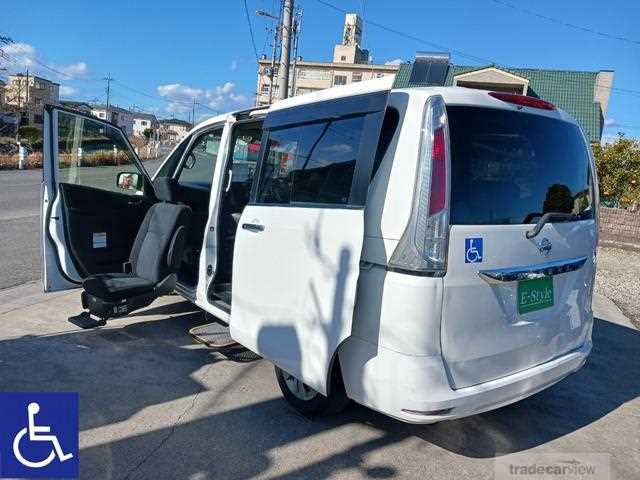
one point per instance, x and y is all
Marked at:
(94, 195)
(101, 226)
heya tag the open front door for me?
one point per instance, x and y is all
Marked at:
(94, 195)
(297, 250)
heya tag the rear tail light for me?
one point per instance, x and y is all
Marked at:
(523, 100)
(423, 246)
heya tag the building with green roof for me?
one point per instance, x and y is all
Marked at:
(582, 94)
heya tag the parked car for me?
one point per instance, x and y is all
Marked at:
(426, 252)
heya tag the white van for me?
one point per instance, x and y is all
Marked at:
(429, 252)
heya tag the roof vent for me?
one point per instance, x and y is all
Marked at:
(429, 68)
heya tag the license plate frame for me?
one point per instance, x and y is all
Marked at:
(535, 294)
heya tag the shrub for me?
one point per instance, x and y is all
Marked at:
(618, 166)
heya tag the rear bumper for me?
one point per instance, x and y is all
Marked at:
(416, 389)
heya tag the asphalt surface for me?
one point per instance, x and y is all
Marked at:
(19, 224)
(154, 404)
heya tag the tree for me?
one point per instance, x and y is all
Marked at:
(148, 132)
(30, 133)
(618, 166)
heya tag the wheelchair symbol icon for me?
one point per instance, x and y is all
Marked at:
(473, 253)
(35, 435)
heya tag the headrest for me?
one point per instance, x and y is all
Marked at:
(166, 189)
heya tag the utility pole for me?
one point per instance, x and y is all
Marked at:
(108, 79)
(297, 27)
(193, 113)
(27, 90)
(276, 32)
(285, 52)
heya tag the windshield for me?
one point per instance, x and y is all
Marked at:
(512, 167)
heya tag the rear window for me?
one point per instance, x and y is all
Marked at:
(512, 167)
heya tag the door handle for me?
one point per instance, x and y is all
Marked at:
(134, 203)
(531, 272)
(253, 227)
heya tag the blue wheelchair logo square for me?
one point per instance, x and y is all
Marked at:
(39, 435)
(473, 250)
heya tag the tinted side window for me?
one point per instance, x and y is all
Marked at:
(93, 153)
(512, 167)
(312, 163)
(197, 168)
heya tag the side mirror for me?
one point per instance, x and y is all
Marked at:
(129, 181)
(190, 162)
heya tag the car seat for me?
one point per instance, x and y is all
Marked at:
(153, 263)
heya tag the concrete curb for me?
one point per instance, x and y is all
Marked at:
(27, 294)
(606, 309)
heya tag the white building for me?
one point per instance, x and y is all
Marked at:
(173, 130)
(143, 121)
(118, 116)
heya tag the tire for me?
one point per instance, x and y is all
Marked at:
(310, 402)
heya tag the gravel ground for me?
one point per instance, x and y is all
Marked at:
(618, 278)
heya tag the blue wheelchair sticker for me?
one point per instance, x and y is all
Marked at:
(473, 250)
(39, 435)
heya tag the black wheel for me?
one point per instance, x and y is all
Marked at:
(308, 401)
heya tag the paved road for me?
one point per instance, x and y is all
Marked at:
(19, 224)
(155, 405)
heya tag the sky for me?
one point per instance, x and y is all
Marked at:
(163, 54)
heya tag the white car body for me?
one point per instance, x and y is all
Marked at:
(313, 289)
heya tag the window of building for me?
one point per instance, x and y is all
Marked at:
(303, 90)
(314, 74)
(340, 80)
(343, 58)
(356, 77)
(312, 163)
(264, 88)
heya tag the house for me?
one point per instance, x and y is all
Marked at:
(583, 94)
(143, 121)
(27, 95)
(350, 64)
(81, 107)
(173, 130)
(118, 116)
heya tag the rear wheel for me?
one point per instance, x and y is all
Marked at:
(308, 401)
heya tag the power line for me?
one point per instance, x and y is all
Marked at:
(484, 61)
(567, 24)
(17, 62)
(167, 100)
(368, 21)
(253, 40)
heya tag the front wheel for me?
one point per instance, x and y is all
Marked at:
(308, 401)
